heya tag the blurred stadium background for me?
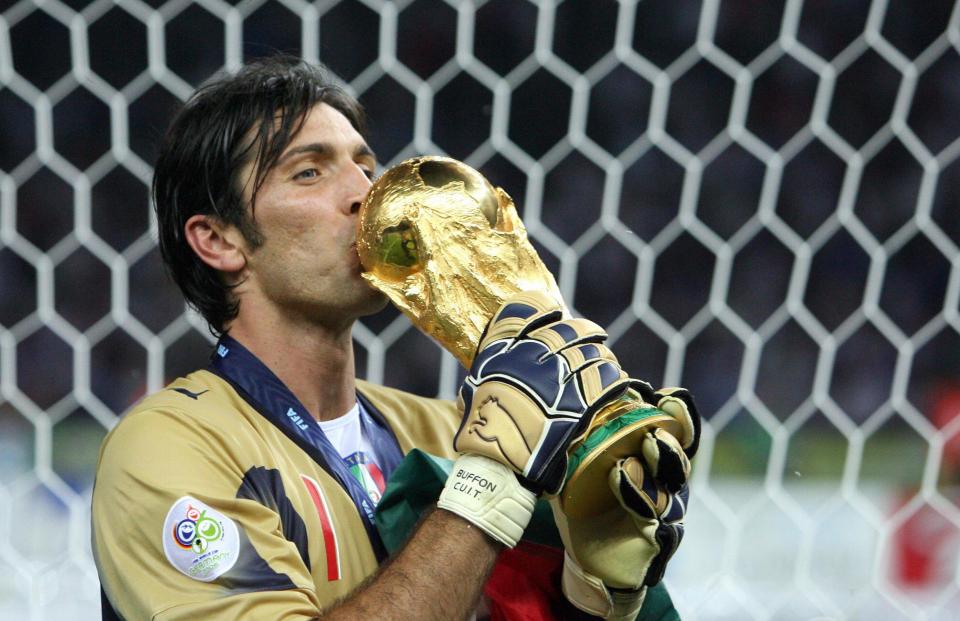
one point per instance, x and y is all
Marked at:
(758, 198)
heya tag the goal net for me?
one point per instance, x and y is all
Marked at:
(759, 199)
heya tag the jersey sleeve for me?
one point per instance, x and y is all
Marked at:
(180, 531)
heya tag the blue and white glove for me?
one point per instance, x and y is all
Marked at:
(534, 386)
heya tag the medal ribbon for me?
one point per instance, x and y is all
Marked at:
(274, 401)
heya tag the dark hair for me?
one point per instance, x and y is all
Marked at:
(230, 121)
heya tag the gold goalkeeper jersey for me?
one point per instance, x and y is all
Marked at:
(207, 507)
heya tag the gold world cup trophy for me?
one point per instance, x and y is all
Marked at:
(447, 248)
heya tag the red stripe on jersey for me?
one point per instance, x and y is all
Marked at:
(377, 476)
(329, 535)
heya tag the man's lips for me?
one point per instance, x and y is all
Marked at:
(355, 256)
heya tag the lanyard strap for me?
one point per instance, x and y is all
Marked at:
(385, 445)
(274, 401)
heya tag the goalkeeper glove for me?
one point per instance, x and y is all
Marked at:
(535, 384)
(667, 457)
(611, 559)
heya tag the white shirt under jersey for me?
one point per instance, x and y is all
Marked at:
(346, 435)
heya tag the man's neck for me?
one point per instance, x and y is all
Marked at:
(315, 362)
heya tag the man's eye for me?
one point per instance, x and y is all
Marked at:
(371, 175)
(309, 173)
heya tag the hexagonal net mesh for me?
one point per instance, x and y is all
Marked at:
(758, 199)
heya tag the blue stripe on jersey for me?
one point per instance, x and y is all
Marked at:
(266, 487)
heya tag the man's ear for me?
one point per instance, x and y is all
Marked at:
(219, 245)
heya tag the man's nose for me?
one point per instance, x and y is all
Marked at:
(359, 186)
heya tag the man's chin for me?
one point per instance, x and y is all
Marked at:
(374, 303)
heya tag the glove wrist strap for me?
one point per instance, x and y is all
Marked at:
(589, 594)
(488, 494)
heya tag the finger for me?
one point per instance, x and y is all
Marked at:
(635, 491)
(601, 383)
(465, 397)
(567, 333)
(521, 314)
(639, 494)
(668, 538)
(645, 390)
(666, 460)
(676, 509)
(679, 403)
(580, 356)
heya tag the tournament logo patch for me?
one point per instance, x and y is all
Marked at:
(199, 541)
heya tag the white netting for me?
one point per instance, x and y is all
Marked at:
(760, 200)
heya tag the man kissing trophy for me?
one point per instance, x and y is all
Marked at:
(450, 251)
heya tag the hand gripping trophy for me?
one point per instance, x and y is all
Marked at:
(448, 248)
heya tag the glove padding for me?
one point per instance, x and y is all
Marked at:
(668, 457)
(611, 559)
(534, 386)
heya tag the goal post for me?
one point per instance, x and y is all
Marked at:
(758, 200)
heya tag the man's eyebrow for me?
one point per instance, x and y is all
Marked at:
(364, 150)
(323, 149)
(317, 148)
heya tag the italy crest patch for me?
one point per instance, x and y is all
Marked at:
(199, 541)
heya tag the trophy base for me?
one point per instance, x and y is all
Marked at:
(586, 492)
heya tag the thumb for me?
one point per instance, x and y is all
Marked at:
(634, 488)
(665, 459)
(679, 403)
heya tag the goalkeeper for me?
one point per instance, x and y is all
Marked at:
(248, 489)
